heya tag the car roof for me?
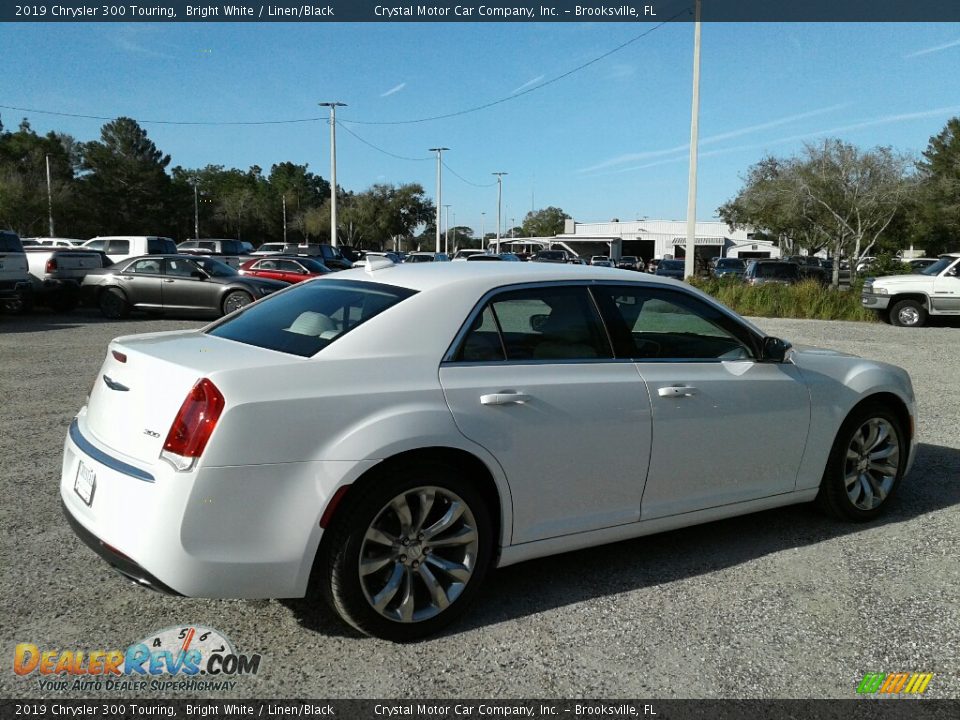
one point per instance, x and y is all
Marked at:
(481, 276)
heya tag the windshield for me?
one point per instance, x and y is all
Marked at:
(776, 270)
(939, 266)
(550, 255)
(10, 242)
(215, 268)
(304, 320)
(671, 264)
(730, 263)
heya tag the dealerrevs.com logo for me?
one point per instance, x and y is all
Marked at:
(901, 683)
(190, 658)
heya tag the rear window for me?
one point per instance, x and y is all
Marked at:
(161, 246)
(10, 242)
(776, 270)
(305, 319)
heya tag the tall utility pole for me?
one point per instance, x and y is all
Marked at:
(688, 257)
(439, 152)
(483, 219)
(499, 201)
(446, 222)
(284, 196)
(196, 209)
(49, 197)
(333, 168)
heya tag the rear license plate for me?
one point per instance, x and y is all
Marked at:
(85, 484)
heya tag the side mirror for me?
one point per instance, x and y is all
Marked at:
(774, 349)
(537, 322)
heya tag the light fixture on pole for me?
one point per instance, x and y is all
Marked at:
(439, 152)
(333, 167)
(499, 201)
(688, 256)
(49, 197)
(446, 222)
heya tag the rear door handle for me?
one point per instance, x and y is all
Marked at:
(674, 391)
(504, 398)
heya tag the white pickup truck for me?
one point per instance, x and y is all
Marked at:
(56, 274)
(121, 247)
(907, 300)
(14, 278)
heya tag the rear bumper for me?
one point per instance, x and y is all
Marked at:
(12, 289)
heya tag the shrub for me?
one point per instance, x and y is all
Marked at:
(806, 300)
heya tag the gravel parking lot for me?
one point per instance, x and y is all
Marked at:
(784, 603)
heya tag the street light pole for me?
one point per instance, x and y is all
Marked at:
(284, 196)
(196, 209)
(446, 222)
(439, 152)
(333, 168)
(482, 228)
(688, 257)
(49, 197)
(499, 202)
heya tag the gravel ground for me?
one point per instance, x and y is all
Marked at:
(784, 603)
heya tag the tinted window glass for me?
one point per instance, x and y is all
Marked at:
(95, 244)
(550, 323)
(288, 266)
(215, 268)
(313, 265)
(665, 325)
(231, 247)
(482, 343)
(161, 246)
(179, 267)
(10, 242)
(118, 247)
(784, 271)
(306, 319)
(149, 267)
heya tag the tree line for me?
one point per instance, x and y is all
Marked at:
(120, 184)
(851, 202)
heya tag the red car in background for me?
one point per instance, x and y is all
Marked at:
(287, 269)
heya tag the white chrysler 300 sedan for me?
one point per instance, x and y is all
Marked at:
(382, 437)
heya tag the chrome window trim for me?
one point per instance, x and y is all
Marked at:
(101, 457)
(449, 357)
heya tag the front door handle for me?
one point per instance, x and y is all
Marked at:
(504, 398)
(675, 391)
(169, 281)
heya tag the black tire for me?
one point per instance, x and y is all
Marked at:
(113, 304)
(908, 313)
(853, 488)
(350, 593)
(22, 304)
(235, 300)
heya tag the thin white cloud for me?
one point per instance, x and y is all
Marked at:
(933, 49)
(394, 89)
(528, 83)
(646, 155)
(883, 120)
(129, 45)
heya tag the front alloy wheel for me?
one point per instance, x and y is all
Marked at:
(404, 560)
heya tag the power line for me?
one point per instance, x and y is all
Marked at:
(165, 122)
(467, 181)
(380, 149)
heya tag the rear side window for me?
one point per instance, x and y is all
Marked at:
(231, 247)
(10, 242)
(161, 246)
(304, 320)
(118, 247)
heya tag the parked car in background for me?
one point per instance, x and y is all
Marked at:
(284, 268)
(329, 255)
(729, 268)
(602, 261)
(908, 300)
(54, 242)
(863, 265)
(811, 268)
(269, 249)
(182, 284)
(367, 255)
(225, 250)
(122, 247)
(671, 269)
(918, 264)
(464, 253)
(652, 265)
(630, 262)
(422, 256)
(327, 440)
(29, 242)
(247, 247)
(15, 286)
(56, 274)
(763, 272)
(502, 257)
(551, 256)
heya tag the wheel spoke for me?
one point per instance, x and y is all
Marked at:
(453, 569)
(402, 508)
(887, 452)
(881, 436)
(437, 593)
(425, 497)
(368, 566)
(870, 437)
(851, 480)
(380, 537)
(867, 488)
(408, 605)
(389, 590)
(463, 536)
(446, 522)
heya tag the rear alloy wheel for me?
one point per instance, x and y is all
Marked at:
(405, 559)
(865, 465)
(908, 313)
(236, 300)
(113, 304)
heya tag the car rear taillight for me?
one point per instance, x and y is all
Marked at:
(193, 425)
(51, 265)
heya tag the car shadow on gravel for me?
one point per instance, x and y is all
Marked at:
(540, 585)
(42, 320)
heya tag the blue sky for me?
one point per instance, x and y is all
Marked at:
(607, 141)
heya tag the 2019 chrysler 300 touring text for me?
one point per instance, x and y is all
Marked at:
(369, 437)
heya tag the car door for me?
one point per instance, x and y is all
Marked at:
(183, 290)
(727, 428)
(533, 380)
(946, 290)
(141, 282)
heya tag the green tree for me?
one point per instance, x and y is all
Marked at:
(386, 213)
(126, 185)
(936, 210)
(543, 223)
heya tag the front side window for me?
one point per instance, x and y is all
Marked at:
(544, 323)
(655, 324)
(306, 319)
